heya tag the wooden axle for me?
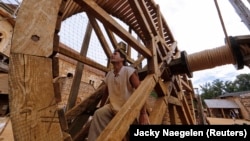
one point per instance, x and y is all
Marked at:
(237, 54)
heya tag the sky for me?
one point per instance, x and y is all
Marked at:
(196, 26)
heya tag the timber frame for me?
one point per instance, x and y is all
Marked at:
(33, 67)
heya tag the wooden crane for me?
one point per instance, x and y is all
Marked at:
(33, 67)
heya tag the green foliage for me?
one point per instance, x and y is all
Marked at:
(219, 87)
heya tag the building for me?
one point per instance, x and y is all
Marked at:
(229, 106)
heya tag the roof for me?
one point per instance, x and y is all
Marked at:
(226, 121)
(235, 94)
(220, 103)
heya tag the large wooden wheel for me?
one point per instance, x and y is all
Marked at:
(33, 67)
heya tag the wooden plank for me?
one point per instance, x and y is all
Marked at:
(66, 137)
(182, 115)
(57, 91)
(78, 123)
(71, 8)
(163, 88)
(80, 58)
(83, 133)
(33, 108)
(112, 5)
(185, 106)
(190, 102)
(173, 100)
(166, 118)
(172, 114)
(156, 116)
(100, 35)
(138, 62)
(62, 119)
(141, 19)
(84, 105)
(55, 67)
(7, 15)
(187, 113)
(160, 26)
(242, 10)
(111, 37)
(119, 125)
(35, 36)
(105, 18)
(149, 18)
(60, 18)
(186, 86)
(153, 67)
(79, 70)
(120, 7)
(226, 121)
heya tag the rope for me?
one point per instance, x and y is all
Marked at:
(210, 58)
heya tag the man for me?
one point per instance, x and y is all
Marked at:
(120, 84)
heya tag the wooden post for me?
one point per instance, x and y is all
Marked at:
(33, 109)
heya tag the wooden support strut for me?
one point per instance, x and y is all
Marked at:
(104, 17)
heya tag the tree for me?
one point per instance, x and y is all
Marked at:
(230, 86)
(206, 91)
(219, 87)
(242, 82)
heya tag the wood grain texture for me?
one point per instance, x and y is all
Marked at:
(32, 102)
(34, 31)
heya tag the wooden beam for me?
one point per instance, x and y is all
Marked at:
(153, 67)
(79, 70)
(138, 62)
(4, 12)
(85, 104)
(78, 123)
(186, 108)
(119, 125)
(148, 18)
(174, 101)
(159, 18)
(173, 117)
(156, 116)
(91, 7)
(33, 107)
(83, 133)
(100, 35)
(62, 119)
(163, 88)
(35, 36)
(80, 58)
(242, 10)
(111, 37)
(186, 86)
(140, 16)
(182, 115)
